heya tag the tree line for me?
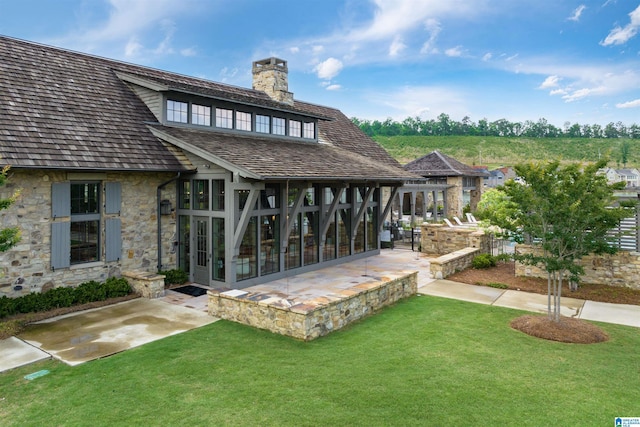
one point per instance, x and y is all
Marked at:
(443, 125)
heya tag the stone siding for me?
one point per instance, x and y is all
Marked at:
(621, 269)
(307, 322)
(26, 267)
(439, 239)
(148, 285)
(446, 265)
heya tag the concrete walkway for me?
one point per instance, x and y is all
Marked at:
(621, 314)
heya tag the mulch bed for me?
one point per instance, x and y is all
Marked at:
(568, 330)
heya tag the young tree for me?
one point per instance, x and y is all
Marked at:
(8, 236)
(568, 211)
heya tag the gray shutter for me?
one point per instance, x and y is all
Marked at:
(113, 240)
(60, 244)
(60, 199)
(113, 197)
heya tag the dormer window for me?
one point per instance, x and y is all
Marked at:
(177, 111)
(279, 126)
(309, 130)
(295, 128)
(224, 118)
(243, 121)
(200, 115)
(223, 115)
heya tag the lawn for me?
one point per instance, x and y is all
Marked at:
(423, 361)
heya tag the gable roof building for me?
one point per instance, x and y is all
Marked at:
(127, 167)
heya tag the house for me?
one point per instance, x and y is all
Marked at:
(123, 167)
(631, 177)
(448, 187)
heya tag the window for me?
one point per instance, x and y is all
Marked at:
(81, 218)
(177, 111)
(200, 115)
(309, 130)
(279, 126)
(224, 118)
(294, 128)
(85, 222)
(201, 190)
(218, 194)
(243, 121)
(263, 123)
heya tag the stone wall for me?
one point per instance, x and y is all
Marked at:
(621, 269)
(26, 268)
(446, 265)
(439, 239)
(307, 322)
(148, 285)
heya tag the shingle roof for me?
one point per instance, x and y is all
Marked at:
(437, 164)
(272, 158)
(69, 110)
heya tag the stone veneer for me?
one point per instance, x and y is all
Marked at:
(446, 265)
(26, 267)
(440, 239)
(621, 269)
(308, 320)
(148, 285)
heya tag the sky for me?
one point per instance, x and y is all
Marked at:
(561, 60)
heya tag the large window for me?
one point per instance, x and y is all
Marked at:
(85, 228)
(200, 115)
(224, 118)
(201, 192)
(243, 121)
(85, 222)
(177, 111)
(218, 194)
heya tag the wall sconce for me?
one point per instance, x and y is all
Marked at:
(165, 207)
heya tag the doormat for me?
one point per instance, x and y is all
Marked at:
(194, 291)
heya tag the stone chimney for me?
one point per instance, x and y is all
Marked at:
(270, 76)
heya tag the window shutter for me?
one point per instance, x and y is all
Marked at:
(113, 197)
(60, 244)
(60, 199)
(113, 240)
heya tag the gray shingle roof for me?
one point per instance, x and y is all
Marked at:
(437, 164)
(274, 158)
(68, 110)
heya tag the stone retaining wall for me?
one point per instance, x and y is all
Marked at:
(621, 269)
(308, 322)
(440, 239)
(148, 285)
(446, 265)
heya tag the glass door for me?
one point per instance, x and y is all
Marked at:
(201, 253)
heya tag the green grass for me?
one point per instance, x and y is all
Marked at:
(424, 361)
(504, 151)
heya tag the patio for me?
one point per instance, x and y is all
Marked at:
(309, 305)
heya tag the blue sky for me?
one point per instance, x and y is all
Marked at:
(563, 60)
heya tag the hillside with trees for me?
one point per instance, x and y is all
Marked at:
(503, 143)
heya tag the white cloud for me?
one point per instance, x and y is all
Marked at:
(549, 82)
(433, 27)
(189, 51)
(629, 104)
(487, 56)
(132, 48)
(621, 35)
(294, 49)
(334, 87)
(317, 49)
(454, 51)
(329, 69)
(575, 16)
(423, 101)
(397, 46)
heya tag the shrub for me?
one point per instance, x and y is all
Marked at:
(174, 277)
(498, 285)
(483, 261)
(64, 297)
(117, 287)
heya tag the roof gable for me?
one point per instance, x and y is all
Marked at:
(438, 164)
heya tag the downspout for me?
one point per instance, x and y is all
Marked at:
(159, 215)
